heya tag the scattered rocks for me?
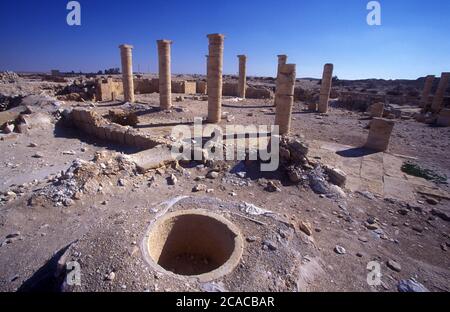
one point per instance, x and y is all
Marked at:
(432, 201)
(172, 180)
(411, 285)
(111, 276)
(251, 239)
(418, 229)
(272, 187)
(336, 176)
(199, 188)
(444, 215)
(212, 175)
(305, 227)
(121, 182)
(38, 155)
(269, 245)
(394, 265)
(340, 250)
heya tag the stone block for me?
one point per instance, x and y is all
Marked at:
(379, 134)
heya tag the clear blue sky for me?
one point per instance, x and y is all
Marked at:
(413, 40)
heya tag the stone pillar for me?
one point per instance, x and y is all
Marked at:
(379, 134)
(165, 81)
(426, 91)
(325, 88)
(376, 110)
(127, 72)
(242, 85)
(440, 93)
(214, 72)
(284, 97)
(282, 59)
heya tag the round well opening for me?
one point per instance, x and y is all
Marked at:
(193, 243)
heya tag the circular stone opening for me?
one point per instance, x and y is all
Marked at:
(195, 243)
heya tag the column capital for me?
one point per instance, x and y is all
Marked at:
(215, 36)
(242, 56)
(164, 41)
(126, 46)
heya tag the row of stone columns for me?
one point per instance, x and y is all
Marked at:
(165, 83)
(438, 99)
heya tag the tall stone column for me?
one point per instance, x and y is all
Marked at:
(242, 85)
(284, 97)
(325, 88)
(127, 72)
(214, 84)
(282, 59)
(165, 81)
(426, 91)
(440, 93)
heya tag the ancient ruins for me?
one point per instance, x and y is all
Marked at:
(89, 177)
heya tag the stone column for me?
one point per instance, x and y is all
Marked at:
(284, 97)
(214, 84)
(379, 134)
(282, 59)
(325, 88)
(242, 85)
(127, 72)
(165, 81)
(376, 110)
(426, 91)
(440, 93)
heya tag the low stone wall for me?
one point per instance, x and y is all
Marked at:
(201, 87)
(143, 86)
(108, 89)
(229, 89)
(92, 123)
(184, 87)
(259, 93)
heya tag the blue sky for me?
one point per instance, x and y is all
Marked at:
(412, 41)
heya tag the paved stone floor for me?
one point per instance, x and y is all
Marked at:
(378, 173)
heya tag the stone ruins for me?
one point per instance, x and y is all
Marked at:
(127, 72)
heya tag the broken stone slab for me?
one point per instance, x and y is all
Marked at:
(434, 192)
(153, 158)
(336, 176)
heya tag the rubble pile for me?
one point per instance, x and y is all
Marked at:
(78, 91)
(304, 171)
(9, 77)
(82, 177)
